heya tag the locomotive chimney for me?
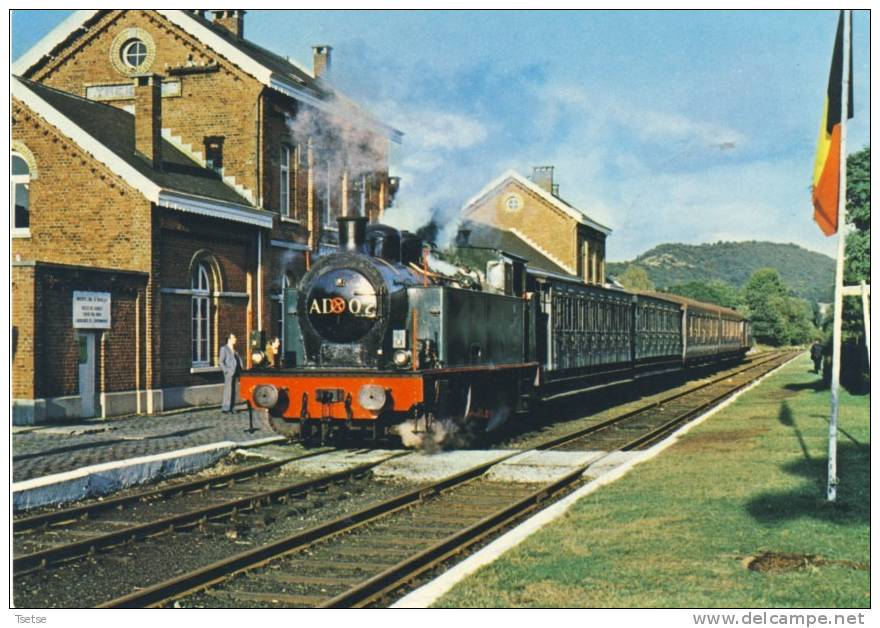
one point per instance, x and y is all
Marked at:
(352, 233)
(463, 237)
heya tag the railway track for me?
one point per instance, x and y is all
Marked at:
(662, 416)
(358, 559)
(61, 535)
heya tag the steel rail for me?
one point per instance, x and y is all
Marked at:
(220, 570)
(79, 512)
(41, 558)
(573, 436)
(664, 429)
(392, 577)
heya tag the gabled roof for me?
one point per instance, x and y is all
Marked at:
(107, 133)
(483, 235)
(555, 201)
(271, 70)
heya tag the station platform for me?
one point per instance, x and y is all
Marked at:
(61, 462)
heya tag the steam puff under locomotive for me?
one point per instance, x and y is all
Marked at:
(389, 334)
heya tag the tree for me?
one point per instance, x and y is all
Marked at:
(765, 295)
(858, 241)
(635, 278)
(712, 291)
(797, 317)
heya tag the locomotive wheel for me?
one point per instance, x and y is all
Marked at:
(289, 429)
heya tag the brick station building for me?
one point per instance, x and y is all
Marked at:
(528, 217)
(169, 180)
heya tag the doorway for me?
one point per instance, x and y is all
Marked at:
(86, 374)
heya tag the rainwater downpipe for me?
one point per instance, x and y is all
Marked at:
(259, 280)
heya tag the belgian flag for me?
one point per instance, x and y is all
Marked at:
(826, 174)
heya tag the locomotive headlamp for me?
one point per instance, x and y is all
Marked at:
(372, 397)
(401, 357)
(265, 396)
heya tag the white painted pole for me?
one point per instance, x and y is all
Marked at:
(831, 493)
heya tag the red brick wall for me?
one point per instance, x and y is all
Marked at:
(22, 332)
(227, 103)
(81, 213)
(56, 351)
(232, 252)
(222, 103)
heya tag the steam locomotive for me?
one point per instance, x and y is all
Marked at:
(390, 334)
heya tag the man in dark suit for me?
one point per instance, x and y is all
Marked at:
(231, 365)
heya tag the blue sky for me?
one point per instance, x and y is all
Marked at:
(668, 126)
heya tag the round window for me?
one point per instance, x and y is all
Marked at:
(134, 53)
(512, 202)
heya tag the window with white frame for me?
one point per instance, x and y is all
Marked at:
(19, 192)
(134, 53)
(284, 179)
(201, 316)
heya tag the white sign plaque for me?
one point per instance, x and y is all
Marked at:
(91, 310)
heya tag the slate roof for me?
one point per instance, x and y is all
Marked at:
(492, 237)
(114, 128)
(274, 71)
(276, 63)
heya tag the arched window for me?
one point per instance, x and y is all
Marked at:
(201, 316)
(20, 192)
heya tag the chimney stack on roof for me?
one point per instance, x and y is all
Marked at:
(230, 19)
(542, 176)
(148, 118)
(321, 60)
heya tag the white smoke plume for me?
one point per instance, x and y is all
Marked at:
(427, 165)
(442, 435)
(341, 138)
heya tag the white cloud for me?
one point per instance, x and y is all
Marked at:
(593, 113)
(429, 129)
(662, 126)
(758, 200)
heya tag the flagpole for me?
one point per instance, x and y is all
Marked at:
(838, 285)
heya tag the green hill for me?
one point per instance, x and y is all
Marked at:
(809, 275)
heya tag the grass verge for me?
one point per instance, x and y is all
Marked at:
(733, 515)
